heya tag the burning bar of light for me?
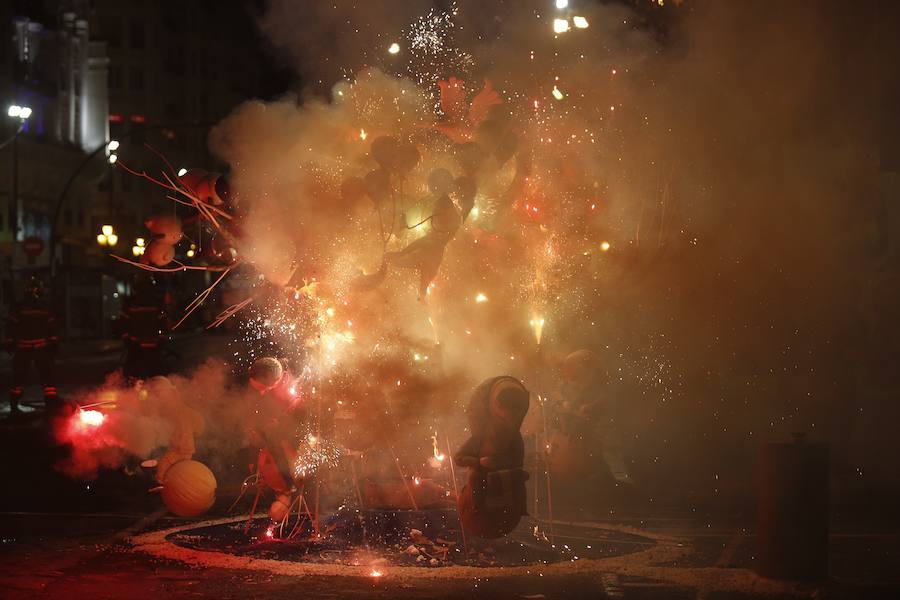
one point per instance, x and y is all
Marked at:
(537, 326)
(437, 453)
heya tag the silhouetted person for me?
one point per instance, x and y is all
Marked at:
(144, 327)
(31, 337)
(494, 499)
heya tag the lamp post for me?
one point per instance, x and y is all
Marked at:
(21, 113)
(107, 236)
(111, 157)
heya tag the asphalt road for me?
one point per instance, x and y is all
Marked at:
(61, 538)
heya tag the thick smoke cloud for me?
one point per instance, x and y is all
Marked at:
(739, 180)
(725, 152)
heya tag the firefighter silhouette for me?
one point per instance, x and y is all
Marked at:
(144, 326)
(31, 336)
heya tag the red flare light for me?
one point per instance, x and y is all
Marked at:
(91, 418)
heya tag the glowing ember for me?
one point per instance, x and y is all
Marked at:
(580, 22)
(437, 453)
(375, 573)
(480, 298)
(560, 25)
(393, 49)
(604, 246)
(557, 93)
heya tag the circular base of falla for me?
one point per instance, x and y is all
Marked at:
(414, 544)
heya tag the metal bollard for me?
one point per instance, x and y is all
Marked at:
(792, 518)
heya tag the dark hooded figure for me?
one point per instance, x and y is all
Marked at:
(493, 501)
(144, 328)
(32, 339)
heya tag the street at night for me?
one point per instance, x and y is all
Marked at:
(525, 299)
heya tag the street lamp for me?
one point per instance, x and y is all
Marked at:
(22, 113)
(111, 147)
(139, 247)
(107, 236)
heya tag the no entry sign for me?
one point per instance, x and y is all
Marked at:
(33, 246)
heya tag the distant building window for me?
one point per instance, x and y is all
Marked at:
(173, 111)
(137, 34)
(111, 30)
(136, 79)
(137, 134)
(115, 82)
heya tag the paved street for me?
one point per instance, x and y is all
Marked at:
(62, 538)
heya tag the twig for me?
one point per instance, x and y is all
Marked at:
(253, 508)
(201, 297)
(462, 529)
(412, 498)
(181, 266)
(244, 487)
(229, 312)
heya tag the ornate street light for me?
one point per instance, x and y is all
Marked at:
(107, 236)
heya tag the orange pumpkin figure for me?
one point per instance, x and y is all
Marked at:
(189, 488)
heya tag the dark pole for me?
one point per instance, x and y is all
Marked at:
(59, 205)
(15, 197)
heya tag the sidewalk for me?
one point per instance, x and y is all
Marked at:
(86, 363)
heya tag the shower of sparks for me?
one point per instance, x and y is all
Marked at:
(545, 222)
(314, 452)
(433, 53)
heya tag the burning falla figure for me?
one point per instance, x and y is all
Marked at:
(273, 433)
(493, 501)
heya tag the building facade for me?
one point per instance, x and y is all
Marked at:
(152, 76)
